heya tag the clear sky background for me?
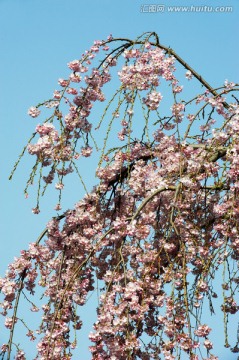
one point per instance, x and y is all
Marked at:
(38, 38)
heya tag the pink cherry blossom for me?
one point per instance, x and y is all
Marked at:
(157, 231)
(34, 112)
(153, 99)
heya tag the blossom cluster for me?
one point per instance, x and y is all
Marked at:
(59, 135)
(154, 232)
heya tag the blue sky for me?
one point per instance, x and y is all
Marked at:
(38, 38)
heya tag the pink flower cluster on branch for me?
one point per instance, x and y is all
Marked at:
(154, 232)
